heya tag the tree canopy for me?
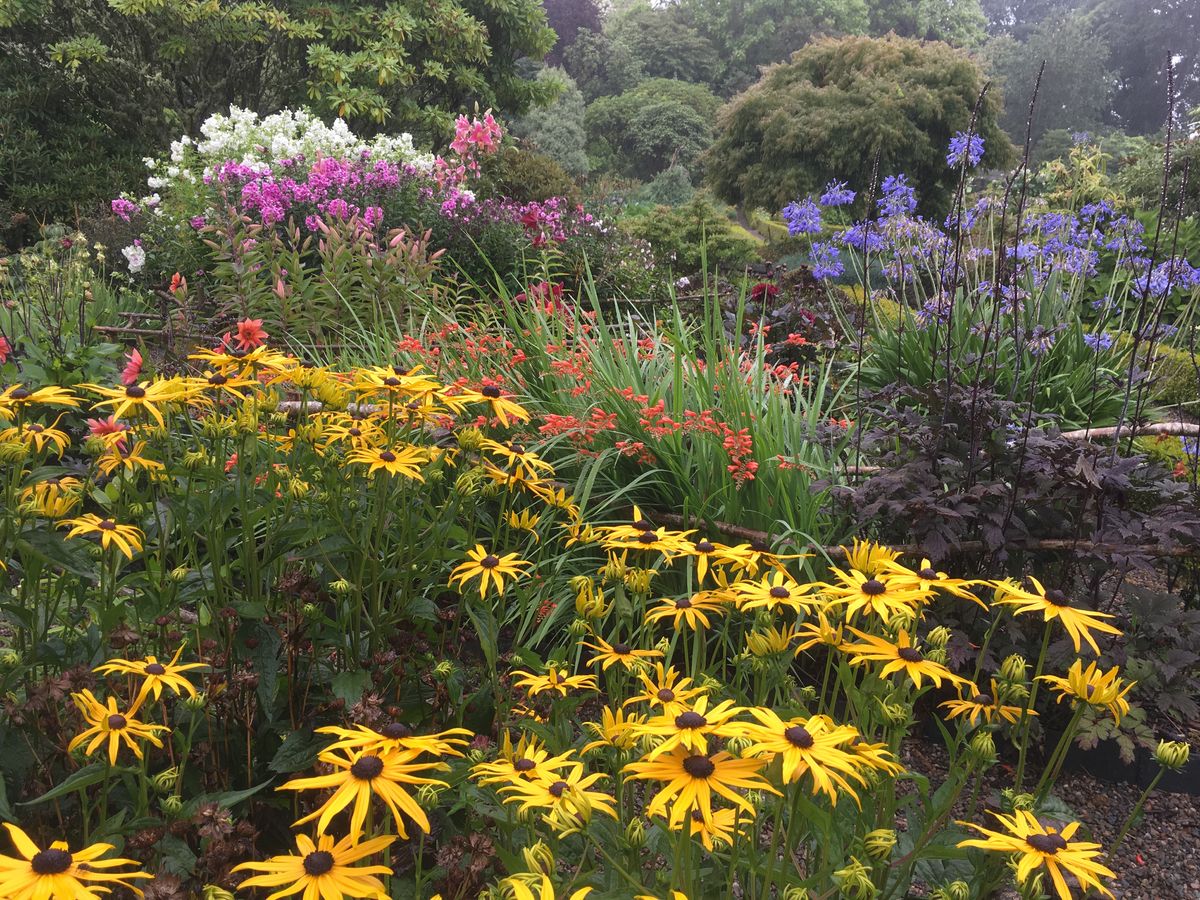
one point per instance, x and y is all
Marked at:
(839, 104)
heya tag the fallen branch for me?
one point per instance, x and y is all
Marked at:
(1168, 428)
(1049, 545)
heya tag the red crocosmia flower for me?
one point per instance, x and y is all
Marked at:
(764, 290)
(177, 282)
(5, 349)
(250, 334)
(133, 367)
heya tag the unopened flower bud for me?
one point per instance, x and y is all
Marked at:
(1172, 755)
(579, 628)
(215, 892)
(982, 749)
(197, 703)
(9, 658)
(166, 779)
(311, 611)
(895, 713)
(469, 437)
(738, 745)
(936, 655)
(879, 843)
(171, 805)
(938, 637)
(796, 892)
(635, 834)
(854, 881)
(1014, 668)
(427, 795)
(955, 890)
(443, 670)
(195, 459)
(341, 586)
(539, 858)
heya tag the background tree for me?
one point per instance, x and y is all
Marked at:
(659, 123)
(566, 17)
(664, 45)
(131, 74)
(958, 22)
(600, 66)
(557, 130)
(839, 103)
(1074, 89)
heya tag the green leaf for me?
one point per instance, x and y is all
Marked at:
(349, 686)
(225, 799)
(88, 775)
(51, 548)
(297, 752)
(175, 857)
(6, 812)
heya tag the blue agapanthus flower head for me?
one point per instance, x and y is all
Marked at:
(837, 194)
(803, 217)
(826, 261)
(964, 147)
(898, 196)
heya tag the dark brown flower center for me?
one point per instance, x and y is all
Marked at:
(705, 547)
(928, 574)
(983, 700)
(1046, 843)
(699, 766)
(367, 768)
(873, 587)
(760, 546)
(909, 654)
(36, 429)
(524, 765)
(643, 525)
(621, 649)
(117, 721)
(697, 815)
(51, 862)
(318, 863)
(490, 391)
(22, 393)
(1057, 597)
(388, 456)
(666, 695)
(354, 432)
(490, 561)
(107, 525)
(647, 537)
(556, 789)
(217, 380)
(156, 669)
(394, 731)
(683, 603)
(798, 736)
(392, 381)
(779, 592)
(690, 719)
(135, 391)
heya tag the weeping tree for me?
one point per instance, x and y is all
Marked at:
(841, 103)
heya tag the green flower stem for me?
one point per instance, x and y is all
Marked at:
(1133, 814)
(1026, 722)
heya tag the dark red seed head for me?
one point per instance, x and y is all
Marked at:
(909, 654)
(395, 731)
(647, 537)
(873, 587)
(556, 789)
(524, 765)
(490, 561)
(666, 695)
(928, 574)
(983, 700)
(690, 720)
(621, 649)
(705, 547)
(156, 669)
(388, 456)
(135, 392)
(490, 391)
(1057, 597)
(117, 721)
(1046, 843)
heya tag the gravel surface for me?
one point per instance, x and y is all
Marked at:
(1160, 857)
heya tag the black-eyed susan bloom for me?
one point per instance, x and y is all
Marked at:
(322, 871)
(405, 460)
(819, 633)
(691, 612)
(566, 799)
(358, 777)
(524, 761)
(775, 592)
(619, 653)
(518, 459)
(110, 727)
(522, 888)
(57, 873)
(812, 746)
(37, 437)
(120, 455)
(975, 706)
(126, 538)
(16, 398)
(155, 675)
(615, 730)
(717, 831)
(1035, 846)
(396, 737)
(1093, 686)
(555, 680)
(877, 595)
(1054, 604)
(147, 398)
(689, 780)
(666, 691)
(901, 656)
(500, 403)
(488, 568)
(868, 557)
(927, 579)
(691, 728)
(53, 498)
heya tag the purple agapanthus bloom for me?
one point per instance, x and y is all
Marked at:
(1098, 342)
(803, 217)
(898, 197)
(864, 236)
(964, 147)
(837, 194)
(826, 261)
